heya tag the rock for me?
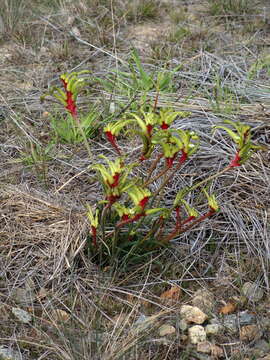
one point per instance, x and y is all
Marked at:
(246, 318)
(183, 338)
(22, 315)
(183, 325)
(75, 31)
(265, 323)
(204, 300)
(204, 347)
(166, 330)
(216, 351)
(8, 354)
(207, 348)
(172, 295)
(229, 308)
(196, 334)
(252, 291)
(232, 321)
(192, 314)
(60, 315)
(250, 332)
(213, 329)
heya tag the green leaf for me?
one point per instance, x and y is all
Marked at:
(155, 211)
(231, 133)
(212, 202)
(116, 127)
(190, 210)
(180, 195)
(147, 81)
(106, 176)
(93, 219)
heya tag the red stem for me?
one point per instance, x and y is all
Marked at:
(236, 161)
(94, 235)
(112, 139)
(181, 231)
(71, 104)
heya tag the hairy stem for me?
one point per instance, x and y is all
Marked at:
(153, 166)
(181, 230)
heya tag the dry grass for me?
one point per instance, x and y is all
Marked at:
(43, 265)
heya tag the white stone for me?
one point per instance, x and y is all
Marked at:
(183, 325)
(213, 329)
(22, 315)
(8, 354)
(192, 314)
(166, 330)
(196, 334)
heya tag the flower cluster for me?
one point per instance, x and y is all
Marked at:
(242, 138)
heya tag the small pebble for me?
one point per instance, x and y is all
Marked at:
(8, 354)
(22, 315)
(192, 314)
(213, 329)
(183, 325)
(250, 332)
(196, 334)
(204, 300)
(166, 330)
(204, 347)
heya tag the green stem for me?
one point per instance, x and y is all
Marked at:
(84, 137)
(103, 221)
(152, 231)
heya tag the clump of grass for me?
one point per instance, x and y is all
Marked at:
(179, 14)
(134, 81)
(224, 8)
(14, 15)
(11, 12)
(142, 10)
(179, 33)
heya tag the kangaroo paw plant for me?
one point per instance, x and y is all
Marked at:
(132, 219)
(74, 127)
